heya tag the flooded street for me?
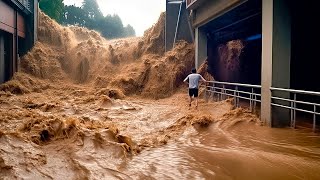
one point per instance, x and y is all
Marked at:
(144, 139)
(235, 154)
(241, 150)
(82, 107)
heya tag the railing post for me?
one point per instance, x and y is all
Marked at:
(223, 97)
(291, 115)
(251, 99)
(206, 93)
(214, 92)
(237, 98)
(234, 97)
(314, 118)
(219, 94)
(294, 110)
(255, 103)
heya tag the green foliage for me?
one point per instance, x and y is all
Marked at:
(92, 9)
(111, 27)
(74, 15)
(53, 8)
(90, 16)
(129, 31)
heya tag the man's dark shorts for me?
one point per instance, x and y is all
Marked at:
(193, 92)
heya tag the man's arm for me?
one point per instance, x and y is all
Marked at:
(203, 79)
(185, 80)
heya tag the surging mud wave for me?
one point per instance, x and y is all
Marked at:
(83, 107)
(136, 66)
(55, 112)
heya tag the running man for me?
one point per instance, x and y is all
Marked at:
(194, 79)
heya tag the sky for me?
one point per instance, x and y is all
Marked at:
(141, 14)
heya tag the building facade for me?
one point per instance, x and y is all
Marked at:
(276, 52)
(177, 26)
(18, 33)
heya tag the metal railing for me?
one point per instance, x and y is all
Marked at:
(238, 91)
(293, 104)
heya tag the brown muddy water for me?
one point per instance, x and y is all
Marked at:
(83, 107)
(147, 139)
(238, 153)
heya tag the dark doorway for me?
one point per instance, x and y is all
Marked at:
(304, 57)
(235, 43)
(6, 70)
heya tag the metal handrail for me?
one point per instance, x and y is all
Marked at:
(296, 91)
(234, 84)
(300, 102)
(222, 92)
(243, 92)
(297, 109)
(293, 104)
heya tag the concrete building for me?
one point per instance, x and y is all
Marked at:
(18, 33)
(278, 53)
(177, 26)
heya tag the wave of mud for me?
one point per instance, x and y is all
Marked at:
(65, 114)
(134, 66)
(228, 119)
(229, 54)
(97, 135)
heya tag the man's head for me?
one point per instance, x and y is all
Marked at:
(193, 70)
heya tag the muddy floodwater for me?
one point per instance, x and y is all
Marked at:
(241, 152)
(146, 139)
(83, 107)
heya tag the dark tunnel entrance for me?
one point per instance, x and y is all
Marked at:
(234, 44)
(304, 54)
(304, 70)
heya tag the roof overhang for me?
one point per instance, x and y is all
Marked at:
(194, 4)
(20, 6)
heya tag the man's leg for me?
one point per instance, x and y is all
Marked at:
(190, 97)
(196, 97)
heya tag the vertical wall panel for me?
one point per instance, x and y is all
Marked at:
(21, 26)
(6, 18)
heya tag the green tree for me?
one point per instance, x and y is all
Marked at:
(90, 16)
(53, 8)
(92, 13)
(74, 15)
(129, 31)
(111, 26)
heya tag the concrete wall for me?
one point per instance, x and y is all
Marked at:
(211, 9)
(172, 11)
(184, 28)
(35, 20)
(2, 65)
(200, 47)
(7, 21)
(276, 55)
(184, 31)
(32, 28)
(266, 67)
(281, 60)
